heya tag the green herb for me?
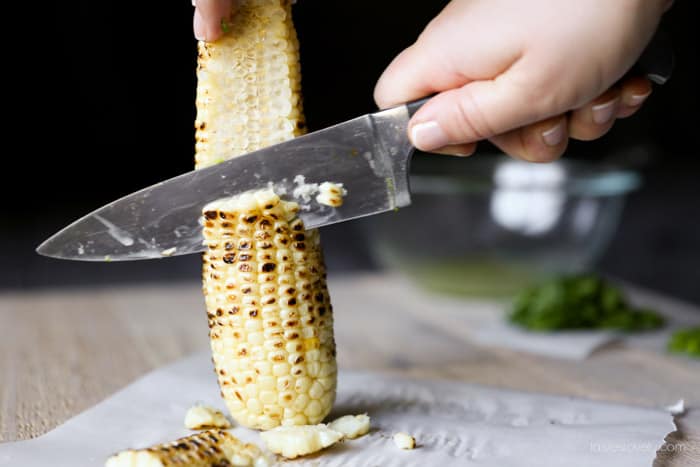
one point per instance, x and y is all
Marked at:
(686, 341)
(225, 26)
(579, 302)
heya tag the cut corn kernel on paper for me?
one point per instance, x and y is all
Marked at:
(296, 441)
(202, 417)
(351, 426)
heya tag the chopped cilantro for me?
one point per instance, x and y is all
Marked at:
(579, 302)
(225, 26)
(686, 341)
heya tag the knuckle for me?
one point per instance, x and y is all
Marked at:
(470, 117)
(546, 89)
(536, 93)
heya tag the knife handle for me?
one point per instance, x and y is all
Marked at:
(413, 106)
(656, 63)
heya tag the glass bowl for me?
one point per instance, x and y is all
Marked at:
(490, 225)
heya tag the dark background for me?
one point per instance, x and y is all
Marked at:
(110, 108)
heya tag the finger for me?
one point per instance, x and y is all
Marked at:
(459, 150)
(635, 91)
(412, 75)
(480, 110)
(209, 17)
(543, 141)
(596, 118)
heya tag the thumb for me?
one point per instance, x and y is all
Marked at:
(211, 18)
(477, 110)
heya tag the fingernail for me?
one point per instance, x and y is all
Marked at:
(453, 153)
(637, 99)
(427, 136)
(199, 30)
(603, 113)
(555, 135)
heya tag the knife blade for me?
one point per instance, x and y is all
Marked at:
(369, 155)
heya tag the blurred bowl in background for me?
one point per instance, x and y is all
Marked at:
(491, 225)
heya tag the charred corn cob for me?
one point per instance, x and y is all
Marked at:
(270, 318)
(205, 449)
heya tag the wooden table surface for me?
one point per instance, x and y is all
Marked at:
(62, 351)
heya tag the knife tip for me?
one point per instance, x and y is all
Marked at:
(44, 249)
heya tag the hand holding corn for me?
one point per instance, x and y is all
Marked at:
(525, 74)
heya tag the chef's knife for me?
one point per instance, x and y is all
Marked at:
(369, 155)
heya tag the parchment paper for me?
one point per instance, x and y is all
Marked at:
(574, 345)
(455, 424)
